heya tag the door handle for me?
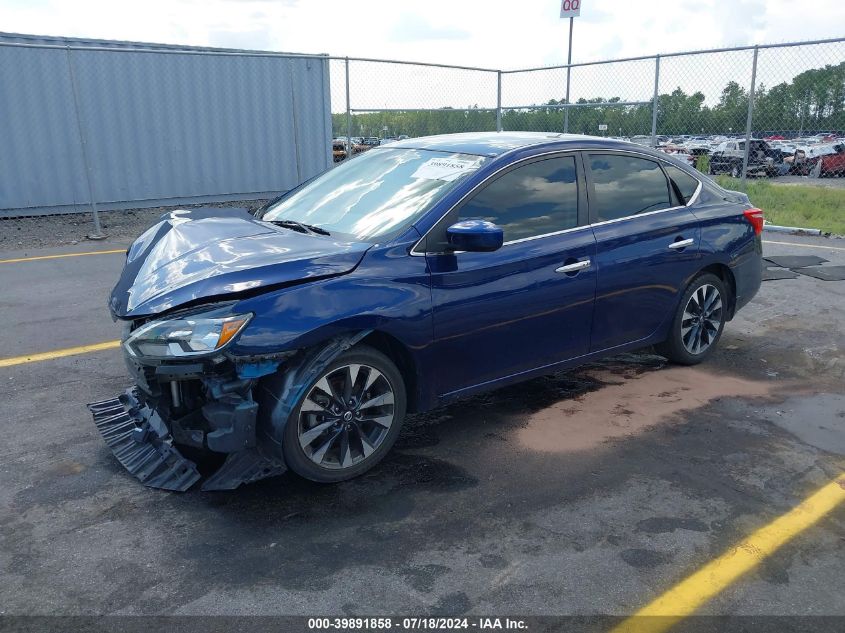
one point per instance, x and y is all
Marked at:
(574, 268)
(682, 243)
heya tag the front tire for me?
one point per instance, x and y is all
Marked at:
(698, 322)
(348, 419)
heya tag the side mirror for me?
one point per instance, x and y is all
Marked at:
(479, 236)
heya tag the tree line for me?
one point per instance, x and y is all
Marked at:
(813, 101)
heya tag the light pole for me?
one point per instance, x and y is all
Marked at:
(568, 75)
(569, 9)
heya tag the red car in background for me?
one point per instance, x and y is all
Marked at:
(833, 164)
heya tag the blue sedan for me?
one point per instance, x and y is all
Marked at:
(299, 337)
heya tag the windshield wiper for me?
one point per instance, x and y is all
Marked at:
(299, 226)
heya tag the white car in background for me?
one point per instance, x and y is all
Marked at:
(680, 153)
(699, 145)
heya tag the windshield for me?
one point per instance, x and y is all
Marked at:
(375, 194)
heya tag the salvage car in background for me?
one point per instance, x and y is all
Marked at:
(829, 162)
(417, 273)
(339, 148)
(728, 158)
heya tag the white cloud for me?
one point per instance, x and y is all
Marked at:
(501, 34)
(495, 34)
(414, 28)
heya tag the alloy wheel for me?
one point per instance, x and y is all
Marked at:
(702, 319)
(346, 416)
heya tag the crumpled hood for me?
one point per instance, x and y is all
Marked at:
(195, 254)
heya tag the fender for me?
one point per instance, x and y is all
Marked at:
(278, 393)
(394, 298)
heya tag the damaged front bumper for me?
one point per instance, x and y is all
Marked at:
(141, 442)
(196, 406)
(235, 406)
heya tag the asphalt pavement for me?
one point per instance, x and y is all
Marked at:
(591, 491)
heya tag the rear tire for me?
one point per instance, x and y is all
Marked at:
(348, 418)
(698, 322)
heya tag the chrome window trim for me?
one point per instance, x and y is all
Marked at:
(657, 159)
(638, 215)
(537, 237)
(508, 243)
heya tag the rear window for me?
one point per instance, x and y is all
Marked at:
(626, 186)
(685, 184)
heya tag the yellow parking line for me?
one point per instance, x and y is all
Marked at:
(59, 353)
(32, 259)
(691, 593)
(826, 248)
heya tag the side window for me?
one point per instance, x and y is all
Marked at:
(536, 199)
(625, 185)
(685, 184)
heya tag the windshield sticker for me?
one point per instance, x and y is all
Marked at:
(446, 169)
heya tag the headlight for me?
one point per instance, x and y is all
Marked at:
(195, 335)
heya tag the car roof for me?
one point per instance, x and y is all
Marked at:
(497, 143)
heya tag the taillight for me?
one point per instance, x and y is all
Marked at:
(755, 217)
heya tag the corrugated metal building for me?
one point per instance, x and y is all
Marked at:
(127, 124)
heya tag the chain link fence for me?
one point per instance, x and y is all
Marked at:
(379, 101)
(761, 111)
(770, 110)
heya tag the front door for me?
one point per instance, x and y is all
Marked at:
(530, 303)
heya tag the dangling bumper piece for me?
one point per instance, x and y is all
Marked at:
(142, 443)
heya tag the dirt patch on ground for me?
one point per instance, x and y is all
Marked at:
(625, 407)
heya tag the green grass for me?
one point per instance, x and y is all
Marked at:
(804, 206)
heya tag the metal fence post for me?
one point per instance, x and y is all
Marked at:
(499, 101)
(295, 117)
(750, 116)
(98, 231)
(348, 115)
(655, 100)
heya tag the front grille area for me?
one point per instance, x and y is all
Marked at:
(142, 375)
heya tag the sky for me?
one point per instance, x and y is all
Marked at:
(492, 34)
(496, 34)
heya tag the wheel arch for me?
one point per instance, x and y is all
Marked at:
(401, 356)
(358, 334)
(723, 272)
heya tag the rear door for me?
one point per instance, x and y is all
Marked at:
(647, 244)
(528, 304)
